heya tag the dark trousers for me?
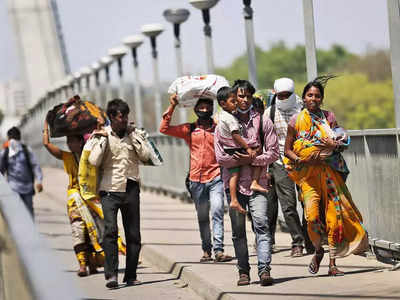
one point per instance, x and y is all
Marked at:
(28, 201)
(284, 190)
(129, 204)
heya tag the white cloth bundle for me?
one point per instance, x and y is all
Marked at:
(191, 88)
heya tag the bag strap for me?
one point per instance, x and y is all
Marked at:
(28, 161)
(261, 130)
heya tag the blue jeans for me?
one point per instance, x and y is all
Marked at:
(258, 207)
(210, 195)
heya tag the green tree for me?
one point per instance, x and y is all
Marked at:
(357, 102)
(1, 116)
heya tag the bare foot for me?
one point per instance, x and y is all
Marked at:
(236, 206)
(256, 187)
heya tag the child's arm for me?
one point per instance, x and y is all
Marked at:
(241, 142)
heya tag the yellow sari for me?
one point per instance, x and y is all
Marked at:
(329, 208)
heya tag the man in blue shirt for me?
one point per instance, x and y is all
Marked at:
(18, 162)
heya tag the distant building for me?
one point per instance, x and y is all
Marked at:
(41, 50)
(12, 98)
(13, 104)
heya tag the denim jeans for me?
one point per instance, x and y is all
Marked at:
(206, 196)
(284, 190)
(258, 207)
(129, 204)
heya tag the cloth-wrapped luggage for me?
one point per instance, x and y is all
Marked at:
(75, 117)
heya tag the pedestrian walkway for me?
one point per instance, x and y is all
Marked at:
(171, 252)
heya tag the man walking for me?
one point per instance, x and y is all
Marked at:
(117, 154)
(205, 183)
(22, 168)
(284, 105)
(253, 128)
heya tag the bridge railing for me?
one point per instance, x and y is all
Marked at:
(374, 180)
(28, 269)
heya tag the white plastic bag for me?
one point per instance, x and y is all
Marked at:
(191, 88)
(154, 157)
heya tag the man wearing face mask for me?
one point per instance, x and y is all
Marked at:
(22, 168)
(283, 106)
(206, 185)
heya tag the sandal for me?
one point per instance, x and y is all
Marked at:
(313, 267)
(334, 271)
(206, 258)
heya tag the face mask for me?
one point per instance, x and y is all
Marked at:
(203, 115)
(14, 147)
(244, 111)
(287, 104)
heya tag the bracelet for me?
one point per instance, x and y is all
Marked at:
(45, 130)
(297, 159)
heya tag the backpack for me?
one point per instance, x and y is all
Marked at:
(27, 157)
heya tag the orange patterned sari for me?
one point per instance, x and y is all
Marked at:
(329, 208)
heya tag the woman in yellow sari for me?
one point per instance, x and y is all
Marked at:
(315, 164)
(86, 217)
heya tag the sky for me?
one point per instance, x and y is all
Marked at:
(91, 27)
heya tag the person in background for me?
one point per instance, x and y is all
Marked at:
(19, 163)
(205, 181)
(284, 105)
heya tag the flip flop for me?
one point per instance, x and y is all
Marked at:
(313, 267)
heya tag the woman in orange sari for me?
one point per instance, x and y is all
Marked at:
(314, 162)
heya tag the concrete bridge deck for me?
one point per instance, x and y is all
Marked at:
(171, 250)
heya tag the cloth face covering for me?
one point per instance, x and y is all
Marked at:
(286, 104)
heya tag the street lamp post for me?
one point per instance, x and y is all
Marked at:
(95, 67)
(152, 31)
(85, 71)
(133, 42)
(105, 62)
(394, 27)
(309, 31)
(177, 17)
(71, 81)
(251, 49)
(77, 77)
(205, 6)
(117, 54)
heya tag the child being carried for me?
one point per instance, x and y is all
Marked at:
(229, 129)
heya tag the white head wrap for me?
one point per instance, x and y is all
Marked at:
(284, 85)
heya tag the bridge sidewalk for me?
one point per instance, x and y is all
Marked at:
(171, 242)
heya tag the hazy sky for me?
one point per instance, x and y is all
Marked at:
(91, 27)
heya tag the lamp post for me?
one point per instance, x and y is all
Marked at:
(133, 42)
(177, 17)
(95, 67)
(70, 80)
(205, 6)
(85, 72)
(251, 49)
(152, 31)
(77, 77)
(117, 54)
(309, 31)
(394, 27)
(105, 62)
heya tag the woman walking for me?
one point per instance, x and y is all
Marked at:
(314, 161)
(86, 217)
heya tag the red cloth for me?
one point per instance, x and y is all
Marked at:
(203, 165)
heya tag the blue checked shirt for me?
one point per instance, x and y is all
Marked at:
(18, 174)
